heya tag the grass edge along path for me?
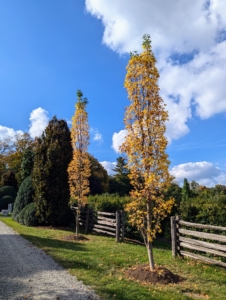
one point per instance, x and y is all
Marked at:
(100, 263)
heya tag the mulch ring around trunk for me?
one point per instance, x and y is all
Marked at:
(159, 275)
(73, 237)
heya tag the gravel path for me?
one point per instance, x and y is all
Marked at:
(26, 272)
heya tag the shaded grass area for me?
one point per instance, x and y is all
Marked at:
(100, 263)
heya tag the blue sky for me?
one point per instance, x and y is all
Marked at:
(49, 49)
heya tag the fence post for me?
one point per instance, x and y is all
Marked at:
(123, 224)
(173, 236)
(87, 221)
(117, 233)
(178, 235)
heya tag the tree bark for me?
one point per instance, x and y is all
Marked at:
(150, 255)
(77, 221)
(148, 243)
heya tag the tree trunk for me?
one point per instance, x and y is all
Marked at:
(148, 243)
(150, 255)
(77, 221)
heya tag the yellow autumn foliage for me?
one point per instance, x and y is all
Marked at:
(145, 144)
(79, 168)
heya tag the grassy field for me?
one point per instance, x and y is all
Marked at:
(100, 263)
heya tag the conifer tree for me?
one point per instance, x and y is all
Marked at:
(145, 146)
(186, 191)
(49, 177)
(79, 168)
(98, 180)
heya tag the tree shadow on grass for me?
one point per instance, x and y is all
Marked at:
(159, 244)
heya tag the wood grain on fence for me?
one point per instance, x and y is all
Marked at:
(103, 222)
(216, 249)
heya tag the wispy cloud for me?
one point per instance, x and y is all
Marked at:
(97, 136)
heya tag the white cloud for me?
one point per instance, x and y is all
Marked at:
(205, 173)
(108, 166)
(196, 32)
(6, 132)
(98, 137)
(118, 139)
(38, 122)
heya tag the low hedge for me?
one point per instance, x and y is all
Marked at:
(8, 191)
(107, 202)
(23, 198)
(28, 215)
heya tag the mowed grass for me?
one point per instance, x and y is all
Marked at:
(100, 263)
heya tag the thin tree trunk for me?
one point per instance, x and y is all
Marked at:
(149, 244)
(150, 255)
(77, 221)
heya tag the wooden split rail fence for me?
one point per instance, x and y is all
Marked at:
(103, 222)
(199, 241)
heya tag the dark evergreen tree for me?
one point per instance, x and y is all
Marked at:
(27, 163)
(98, 181)
(186, 191)
(50, 178)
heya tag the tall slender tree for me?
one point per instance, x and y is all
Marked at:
(145, 146)
(79, 168)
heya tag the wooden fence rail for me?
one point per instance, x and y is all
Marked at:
(103, 222)
(195, 240)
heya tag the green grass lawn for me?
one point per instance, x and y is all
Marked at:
(100, 263)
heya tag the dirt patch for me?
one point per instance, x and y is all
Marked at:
(159, 275)
(73, 237)
(55, 228)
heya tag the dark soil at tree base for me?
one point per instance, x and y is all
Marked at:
(159, 275)
(73, 237)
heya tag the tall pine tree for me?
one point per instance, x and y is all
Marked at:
(50, 177)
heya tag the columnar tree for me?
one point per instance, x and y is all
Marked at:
(79, 167)
(145, 146)
(186, 191)
(49, 177)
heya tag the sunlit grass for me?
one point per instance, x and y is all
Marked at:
(100, 263)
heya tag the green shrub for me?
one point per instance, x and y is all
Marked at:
(28, 215)
(111, 203)
(204, 213)
(107, 202)
(23, 198)
(8, 191)
(4, 201)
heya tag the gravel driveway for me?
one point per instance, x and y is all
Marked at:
(26, 272)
